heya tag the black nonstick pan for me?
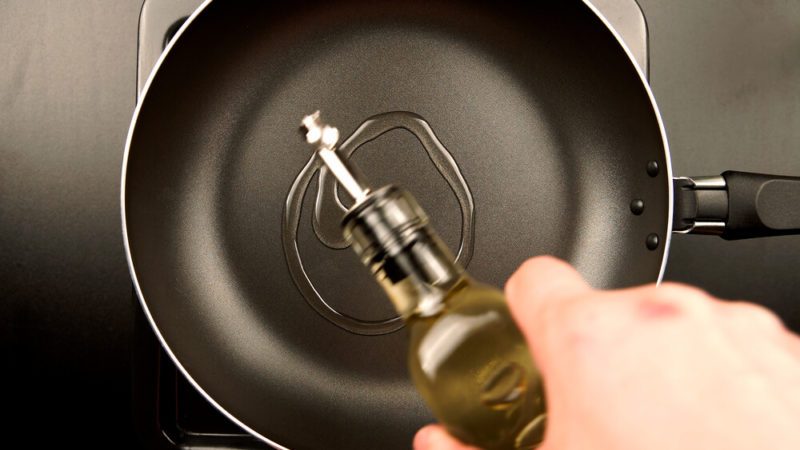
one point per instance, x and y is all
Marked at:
(523, 128)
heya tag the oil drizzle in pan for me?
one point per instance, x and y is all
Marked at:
(329, 210)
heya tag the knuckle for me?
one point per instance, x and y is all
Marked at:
(754, 314)
(578, 316)
(679, 291)
(685, 298)
(587, 326)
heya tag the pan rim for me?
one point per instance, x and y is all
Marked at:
(661, 128)
(126, 154)
(129, 256)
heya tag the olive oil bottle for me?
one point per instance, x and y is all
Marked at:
(466, 356)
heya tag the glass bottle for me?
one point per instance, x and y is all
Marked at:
(466, 355)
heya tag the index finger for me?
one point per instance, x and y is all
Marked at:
(544, 279)
(538, 285)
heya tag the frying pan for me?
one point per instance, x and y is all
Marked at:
(546, 126)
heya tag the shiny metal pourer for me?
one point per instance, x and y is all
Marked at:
(389, 230)
(325, 138)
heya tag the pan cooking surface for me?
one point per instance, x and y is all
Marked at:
(544, 114)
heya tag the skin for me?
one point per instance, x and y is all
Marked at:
(655, 368)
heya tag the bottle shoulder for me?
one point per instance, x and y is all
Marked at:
(469, 307)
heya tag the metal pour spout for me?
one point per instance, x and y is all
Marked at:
(325, 138)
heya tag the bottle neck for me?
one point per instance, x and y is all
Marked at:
(390, 232)
(420, 278)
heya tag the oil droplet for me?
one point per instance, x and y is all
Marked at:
(505, 387)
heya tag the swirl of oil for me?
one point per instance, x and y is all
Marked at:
(328, 205)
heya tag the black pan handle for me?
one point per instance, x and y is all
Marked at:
(737, 205)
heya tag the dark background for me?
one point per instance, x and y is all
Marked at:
(726, 75)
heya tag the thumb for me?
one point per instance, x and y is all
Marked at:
(534, 291)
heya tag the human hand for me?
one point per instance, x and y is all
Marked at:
(653, 368)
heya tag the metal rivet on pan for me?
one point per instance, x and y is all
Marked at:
(652, 241)
(637, 206)
(652, 168)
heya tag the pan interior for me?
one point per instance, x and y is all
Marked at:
(540, 107)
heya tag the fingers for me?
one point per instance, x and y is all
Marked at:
(748, 323)
(434, 437)
(749, 315)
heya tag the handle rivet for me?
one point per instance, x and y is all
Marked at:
(651, 241)
(652, 168)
